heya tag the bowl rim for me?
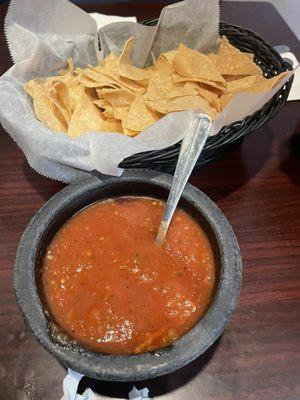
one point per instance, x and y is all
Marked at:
(146, 365)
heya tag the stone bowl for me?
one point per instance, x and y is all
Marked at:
(73, 198)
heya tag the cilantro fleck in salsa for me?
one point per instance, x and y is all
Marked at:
(109, 286)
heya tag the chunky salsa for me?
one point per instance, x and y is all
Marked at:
(109, 286)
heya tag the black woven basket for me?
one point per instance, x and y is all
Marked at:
(270, 62)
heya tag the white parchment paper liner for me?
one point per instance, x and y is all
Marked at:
(42, 34)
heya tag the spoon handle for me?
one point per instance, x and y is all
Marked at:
(191, 147)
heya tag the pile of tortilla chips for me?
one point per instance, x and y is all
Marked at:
(116, 96)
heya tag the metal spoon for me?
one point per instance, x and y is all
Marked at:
(191, 147)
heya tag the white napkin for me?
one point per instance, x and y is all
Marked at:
(102, 19)
(71, 382)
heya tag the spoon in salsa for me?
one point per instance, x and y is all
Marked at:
(190, 150)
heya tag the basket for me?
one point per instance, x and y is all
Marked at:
(217, 146)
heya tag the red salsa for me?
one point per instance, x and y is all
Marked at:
(109, 286)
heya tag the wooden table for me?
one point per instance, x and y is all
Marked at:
(257, 187)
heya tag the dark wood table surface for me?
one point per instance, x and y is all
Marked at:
(257, 187)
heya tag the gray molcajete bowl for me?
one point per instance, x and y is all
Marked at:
(73, 198)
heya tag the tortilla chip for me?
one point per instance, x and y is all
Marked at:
(169, 57)
(164, 70)
(181, 91)
(96, 77)
(250, 84)
(232, 61)
(166, 106)
(118, 97)
(137, 87)
(91, 78)
(254, 83)
(85, 118)
(76, 94)
(62, 92)
(44, 108)
(139, 116)
(106, 107)
(112, 125)
(70, 68)
(120, 113)
(239, 85)
(91, 93)
(159, 86)
(30, 86)
(191, 63)
(49, 82)
(130, 132)
(91, 83)
(126, 69)
(216, 103)
(193, 85)
(249, 55)
(109, 67)
(177, 78)
(263, 85)
(213, 57)
(210, 94)
(229, 78)
(163, 67)
(225, 99)
(59, 94)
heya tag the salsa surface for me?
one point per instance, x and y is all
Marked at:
(109, 286)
